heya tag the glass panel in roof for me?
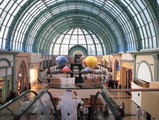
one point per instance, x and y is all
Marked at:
(7, 16)
(132, 9)
(34, 10)
(88, 8)
(50, 1)
(147, 15)
(56, 49)
(152, 29)
(2, 31)
(40, 5)
(99, 2)
(3, 3)
(13, 8)
(125, 2)
(59, 39)
(82, 40)
(1, 15)
(8, 6)
(99, 52)
(154, 42)
(73, 39)
(21, 2)
(64, 50)
(54, 11)
(66, 39)
(144, 18)
(92, 50)
(79, 6)
(137, 6)
(148, 30)
(63, 8)
(116, 11)
(140, 20)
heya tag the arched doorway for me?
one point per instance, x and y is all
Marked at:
(6, 82)
(77, 56)
(23, 81)
(117, 71)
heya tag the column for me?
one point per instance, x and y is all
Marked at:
(134, 66)
(156, 64)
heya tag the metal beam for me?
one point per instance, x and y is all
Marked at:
(131, 90)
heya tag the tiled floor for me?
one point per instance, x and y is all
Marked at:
(130, 106)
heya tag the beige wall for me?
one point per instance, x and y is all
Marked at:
(83, 93)
(128, 65)
(34, 58)
(126, 56)
(136, 96)
(125, 64)
(147, 100)
(150, 102)
(19, 59)
(154, 84)
(32, 61)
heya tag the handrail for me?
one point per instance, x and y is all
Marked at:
(1, 103)
(7, 108)
(14, 99)
(18, 116)
(111, 103)
(113, 106)
(53, 102)
(93, 106)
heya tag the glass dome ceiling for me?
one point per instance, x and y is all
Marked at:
(78, 37)
(53, 27)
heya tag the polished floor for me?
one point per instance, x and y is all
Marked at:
(130, 106)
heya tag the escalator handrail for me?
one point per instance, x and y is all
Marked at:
(14, 99)
(108, 94)
(17, 116)
(113, 108)
(93, 106)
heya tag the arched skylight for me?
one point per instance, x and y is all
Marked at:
(104, 26)
(74, 37)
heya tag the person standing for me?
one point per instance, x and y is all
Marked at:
(81, 109)
(116, 84)
(68, 105)
(138, 113)
(85, 112)
(144, 114)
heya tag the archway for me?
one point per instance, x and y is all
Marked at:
(6, 80)
(23, 80)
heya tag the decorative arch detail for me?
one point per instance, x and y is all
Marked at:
(145, 68)
(24, 68)
(78, 49)
(6, 60)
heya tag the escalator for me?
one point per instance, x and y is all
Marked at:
(108, 103)
(42, 106)
(35, 107)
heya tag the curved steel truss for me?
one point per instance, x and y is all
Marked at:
(102, 27)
